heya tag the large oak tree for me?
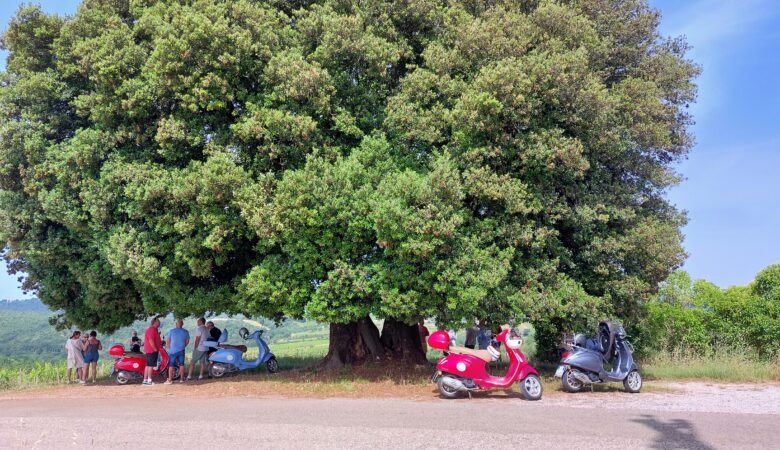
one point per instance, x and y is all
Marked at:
(341, 160)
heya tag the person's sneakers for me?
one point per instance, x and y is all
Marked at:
(168, 382)
(149, 383)
(200, 377)
(67, 381)
(82, 382)
(181, 380)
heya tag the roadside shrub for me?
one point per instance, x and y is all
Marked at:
(698, 317)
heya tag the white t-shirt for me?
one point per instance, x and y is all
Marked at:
(203, 332)
(75, 356)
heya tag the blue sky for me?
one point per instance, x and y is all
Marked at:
(732, 188)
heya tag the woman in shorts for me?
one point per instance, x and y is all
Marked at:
(91, 347)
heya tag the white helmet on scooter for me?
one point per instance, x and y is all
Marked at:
(514, 343)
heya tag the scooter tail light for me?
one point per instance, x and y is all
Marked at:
(565, 355)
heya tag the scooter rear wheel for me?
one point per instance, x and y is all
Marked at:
(122, 378)
(570, 382)
(217, 370)
(446, 391)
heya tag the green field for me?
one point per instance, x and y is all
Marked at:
(291, 355)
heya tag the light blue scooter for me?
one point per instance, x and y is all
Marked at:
(229, 358)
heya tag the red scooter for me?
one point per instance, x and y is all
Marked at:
(463, 370)
(130, 366)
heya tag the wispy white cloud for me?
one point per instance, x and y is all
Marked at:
(709, 23)
(719, 31)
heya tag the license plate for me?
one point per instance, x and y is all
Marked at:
(559, 372)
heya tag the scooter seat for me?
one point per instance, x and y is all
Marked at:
(481, 354)
(241, 348)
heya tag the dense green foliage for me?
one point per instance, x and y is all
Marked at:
(699, 318)
(332, 159)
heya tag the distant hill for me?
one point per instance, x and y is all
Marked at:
(26, 335)
(33, 305)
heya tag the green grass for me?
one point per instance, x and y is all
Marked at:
(295, 355)
(721, 366)
(42, 374)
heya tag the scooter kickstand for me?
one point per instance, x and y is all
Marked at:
(469, 392)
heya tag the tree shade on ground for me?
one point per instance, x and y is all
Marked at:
(340, 159)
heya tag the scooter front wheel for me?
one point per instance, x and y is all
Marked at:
(633, 382)
(531, 388)
(570, 382)
(272, 365)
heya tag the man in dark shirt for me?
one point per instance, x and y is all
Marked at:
(471, 336)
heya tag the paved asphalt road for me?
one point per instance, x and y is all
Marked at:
(237, 422)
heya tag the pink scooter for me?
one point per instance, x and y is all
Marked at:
(463, 370)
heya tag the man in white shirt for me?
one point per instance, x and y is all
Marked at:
(200, 350)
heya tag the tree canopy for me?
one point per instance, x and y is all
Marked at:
(334, 159)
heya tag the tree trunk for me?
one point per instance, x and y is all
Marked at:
(352, 343)
(370, 335)
(344, 347)
(403, 341)
(357, 342)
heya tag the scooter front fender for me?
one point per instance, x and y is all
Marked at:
(527, 370)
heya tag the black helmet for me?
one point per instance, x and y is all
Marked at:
(607, 333)
(243, 332)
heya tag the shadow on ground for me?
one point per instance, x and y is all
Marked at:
(676, 433)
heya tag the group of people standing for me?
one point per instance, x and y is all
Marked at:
(83, 355)
(83, 352)
(178, 339)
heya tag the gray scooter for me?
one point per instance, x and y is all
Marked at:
(583, 364)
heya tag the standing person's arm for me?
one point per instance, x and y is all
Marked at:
(159, 343)
(100, 345)
(197, 341)
(85, 345)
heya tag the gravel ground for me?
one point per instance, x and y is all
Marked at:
(157, 418)
(683, 396)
